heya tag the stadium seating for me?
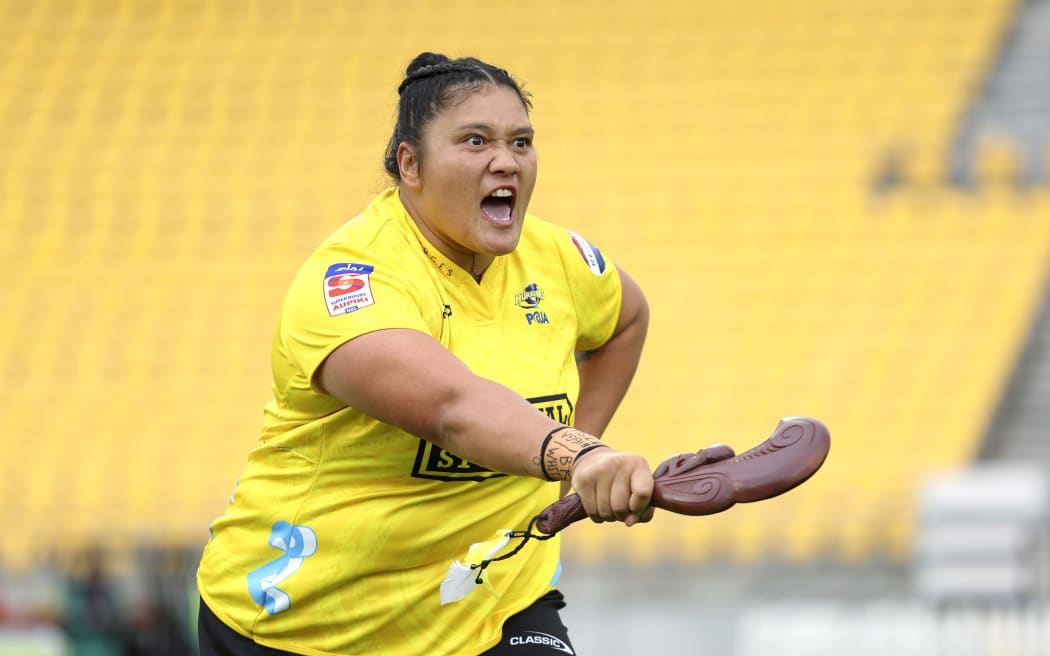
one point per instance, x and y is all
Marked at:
(165, 168)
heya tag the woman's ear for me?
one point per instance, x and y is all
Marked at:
(408, 165)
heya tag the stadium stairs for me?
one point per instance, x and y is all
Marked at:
(1011, 116)
(1020, 431)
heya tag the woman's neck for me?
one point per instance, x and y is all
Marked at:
(470, 261)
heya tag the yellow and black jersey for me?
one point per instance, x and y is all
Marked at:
(342, 528)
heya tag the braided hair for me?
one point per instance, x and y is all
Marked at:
(431, 82)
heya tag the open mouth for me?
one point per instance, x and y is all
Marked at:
(499, 205)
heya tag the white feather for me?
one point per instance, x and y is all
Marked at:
(463, 576)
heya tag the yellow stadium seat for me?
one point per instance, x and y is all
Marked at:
(167, 167)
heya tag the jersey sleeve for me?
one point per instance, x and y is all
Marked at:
(337, 298)
(596, 289)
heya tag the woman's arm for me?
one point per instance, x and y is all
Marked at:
(606, 372)
(408, 379)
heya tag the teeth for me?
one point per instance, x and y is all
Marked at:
(502, 193)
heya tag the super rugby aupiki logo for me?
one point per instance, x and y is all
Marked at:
(347, 287)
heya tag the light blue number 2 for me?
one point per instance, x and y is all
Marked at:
(297, 543)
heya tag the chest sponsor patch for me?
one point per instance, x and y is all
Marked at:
(437, 464)
(347, 288)
(590, 254)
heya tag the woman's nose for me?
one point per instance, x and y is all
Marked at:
(504, 161)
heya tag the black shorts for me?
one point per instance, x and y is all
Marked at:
(535, 631)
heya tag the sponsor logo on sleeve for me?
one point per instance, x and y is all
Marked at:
(347, 288)
(590, 254)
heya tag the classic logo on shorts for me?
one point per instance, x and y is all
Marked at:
(437, 464)
(347, 288)
(590, 253)
(543, 639)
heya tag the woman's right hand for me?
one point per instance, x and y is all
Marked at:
(614, 486)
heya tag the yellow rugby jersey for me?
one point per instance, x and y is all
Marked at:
(342, 528)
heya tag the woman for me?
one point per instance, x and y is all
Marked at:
(426, 393)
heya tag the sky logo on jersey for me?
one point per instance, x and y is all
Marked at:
(437, 464)
(530, 298)
(590, 254)
(556, 406)
(347, 288)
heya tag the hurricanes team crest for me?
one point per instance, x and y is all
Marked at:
(347, 288)
(529, 298)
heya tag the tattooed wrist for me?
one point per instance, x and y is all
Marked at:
(560, 450)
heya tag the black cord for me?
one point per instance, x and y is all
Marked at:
(524, 536)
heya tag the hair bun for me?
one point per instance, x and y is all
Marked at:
(425, 59)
